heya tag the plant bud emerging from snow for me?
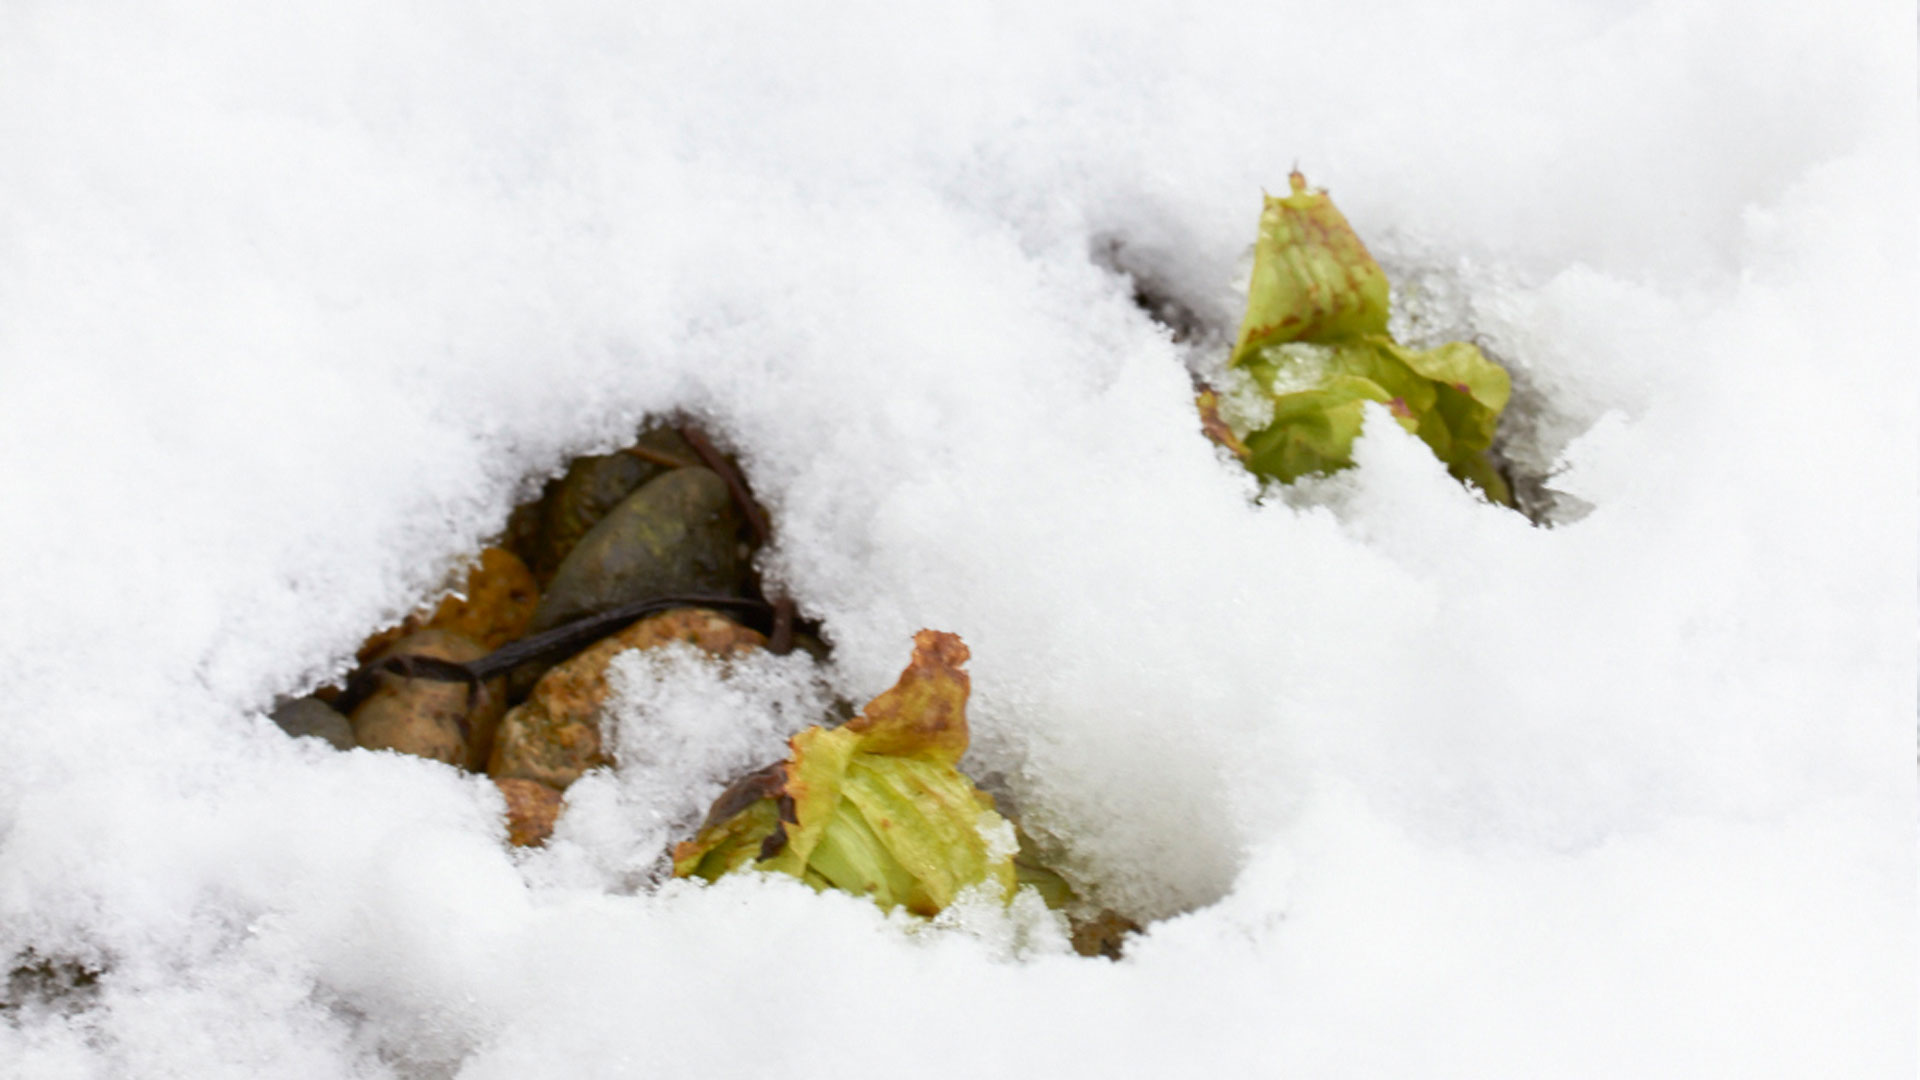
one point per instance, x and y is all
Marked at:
(875, 807)
(1315, 339)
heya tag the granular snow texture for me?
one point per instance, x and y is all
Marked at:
(297, 300)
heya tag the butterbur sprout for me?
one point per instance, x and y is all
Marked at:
(875, 807)
(1315, 340)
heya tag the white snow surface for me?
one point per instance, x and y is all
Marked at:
(297, 300)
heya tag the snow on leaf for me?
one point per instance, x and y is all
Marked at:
(875, 807)
(1315, 339)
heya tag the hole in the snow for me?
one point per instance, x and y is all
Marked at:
(519, 675)
(647, 545)
(1154, 292)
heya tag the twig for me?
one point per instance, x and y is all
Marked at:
(561, 640)
(658, 457)
(737, 484)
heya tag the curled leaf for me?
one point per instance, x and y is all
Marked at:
(1214, 426)
(875, 807)
(1315, 340)
(1313, 280)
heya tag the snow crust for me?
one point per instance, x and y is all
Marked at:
(297, 300)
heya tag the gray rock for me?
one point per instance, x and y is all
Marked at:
(309, 716)
(593, 486)
(678, 534)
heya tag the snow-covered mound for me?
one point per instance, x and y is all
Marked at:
(297, 300)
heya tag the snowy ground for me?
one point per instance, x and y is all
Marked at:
(297, 300)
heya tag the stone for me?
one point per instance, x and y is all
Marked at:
(532, 808)
(1103, 934)
(813, 646)
(522, 536)
(593, 486)
(554, 736)
(446, 721)
(500, 597)
(313, 718)
(679, 534)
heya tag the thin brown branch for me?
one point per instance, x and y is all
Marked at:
(737, 484)
(658, 457)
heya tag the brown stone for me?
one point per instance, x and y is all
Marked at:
(447, 721)
(500, 600)
(1104, 934)
(554, 736)
(532, 808)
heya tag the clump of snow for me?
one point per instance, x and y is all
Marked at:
(1002, 842)
(297, 301)
(682, 726)
(1021, 929)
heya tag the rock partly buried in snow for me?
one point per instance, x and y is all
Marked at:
(532, 808)
(554, 736)
(592, 487)
(311, 717)
(447, 721)
(678, 534)
(501, 598)
(494, 606)
(1104, 934)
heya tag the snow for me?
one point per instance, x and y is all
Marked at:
(682, 729)
(297, 301)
